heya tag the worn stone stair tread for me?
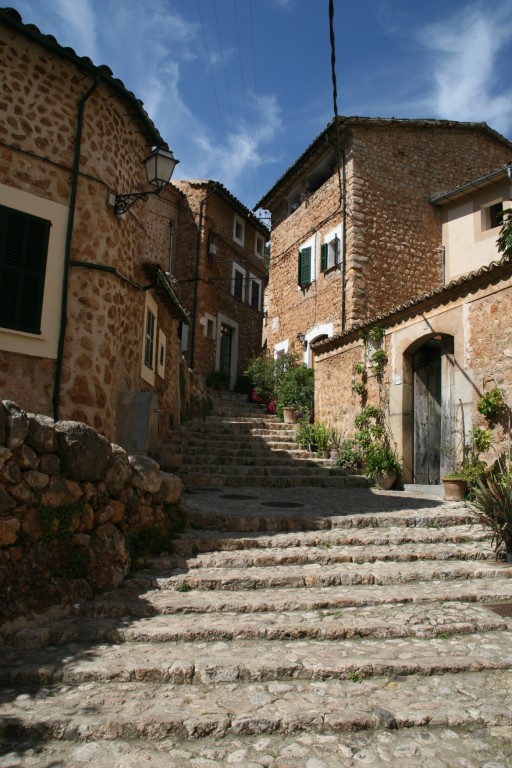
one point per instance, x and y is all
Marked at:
(133, 710)
(331, 555)
(250, 661)
(195, 542)
(434, 747)
(382, 621)
(135, 599)
(321, 479)
(318, 575)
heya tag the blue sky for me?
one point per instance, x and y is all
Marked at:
(239, 88)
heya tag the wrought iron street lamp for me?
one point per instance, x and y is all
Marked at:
(160, 165)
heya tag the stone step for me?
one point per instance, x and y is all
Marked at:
(251, 661)
(317, 575)
(262, 459)
(435, 747)
(143, 710)
(331, 555)
(268, 469)
(139, 599)
(258, 513)
(283, 480)
(193, 542)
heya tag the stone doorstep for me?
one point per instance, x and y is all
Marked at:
(141, 710)
(251, 661)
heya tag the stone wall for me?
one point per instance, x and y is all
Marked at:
(75, 512)
(478, 321)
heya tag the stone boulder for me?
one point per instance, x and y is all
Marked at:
(84, 453)
(16, 425)
(146, 474)
(119, 471)
(41, 433)
(170, 490)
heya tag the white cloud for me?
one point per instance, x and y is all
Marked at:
(79, 19)
(470, 74)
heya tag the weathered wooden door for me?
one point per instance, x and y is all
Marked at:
(226, 350)
(427, 395)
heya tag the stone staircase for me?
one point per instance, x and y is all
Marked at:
(305, 628)
(239, 444)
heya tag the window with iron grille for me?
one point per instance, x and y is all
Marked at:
(149, 342)
(23, 253)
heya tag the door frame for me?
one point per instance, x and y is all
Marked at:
(223, 320)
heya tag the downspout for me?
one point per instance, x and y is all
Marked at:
(67, 252)
(196, 274)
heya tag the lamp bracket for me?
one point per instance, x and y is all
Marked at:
(123, 203)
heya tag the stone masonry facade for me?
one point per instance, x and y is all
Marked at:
(392, 232)
(42, 86)
(216, 302)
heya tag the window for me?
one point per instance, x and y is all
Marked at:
(330, 253)
(150, 349)
(208, 322)
(23, 252)
(254, 292)
(238, 230)
(492, 216)
(183, 336)
(149, 339)
(238, 282)
(162, 344)
(305, 264)
(259, 246)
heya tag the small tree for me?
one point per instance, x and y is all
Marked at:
(504, 241)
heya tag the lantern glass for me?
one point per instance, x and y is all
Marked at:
(160, 165)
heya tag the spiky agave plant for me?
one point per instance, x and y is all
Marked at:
(492, 506)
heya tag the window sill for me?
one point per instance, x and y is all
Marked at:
(34, 336)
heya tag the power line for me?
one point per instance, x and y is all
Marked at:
(214, 89)
(243, 92)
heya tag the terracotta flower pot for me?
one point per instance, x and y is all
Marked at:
(385, 480)
(289, 415)
(455, 488)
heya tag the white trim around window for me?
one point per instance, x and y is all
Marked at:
(255, 292)
(259, 246)
(281, 348)
(238, 276)
(238, 229)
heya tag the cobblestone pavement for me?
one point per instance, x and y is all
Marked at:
(293, 628)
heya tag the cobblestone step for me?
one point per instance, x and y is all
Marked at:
(193, 541)
(276, 478)
(434, 747)
(330, 555)
(143, 710)
(251, 661)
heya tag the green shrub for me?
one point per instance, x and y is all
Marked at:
(297, 390)
(491, 403)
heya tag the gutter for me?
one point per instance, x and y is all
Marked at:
(67, 252)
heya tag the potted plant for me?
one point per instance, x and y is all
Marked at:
(466, 475)
(492, 507)
(382, 464)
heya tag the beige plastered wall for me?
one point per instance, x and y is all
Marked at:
(469, 243)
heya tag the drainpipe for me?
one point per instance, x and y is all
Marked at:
(343, 201)
(67, 253)
(196, 274)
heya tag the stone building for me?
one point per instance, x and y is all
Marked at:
(88, 313)
(445, 348)
(221, 275)
(354, 231)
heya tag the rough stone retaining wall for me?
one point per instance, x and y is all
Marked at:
(75, 511)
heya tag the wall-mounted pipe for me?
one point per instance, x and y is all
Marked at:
(196, 273)
(67, 251)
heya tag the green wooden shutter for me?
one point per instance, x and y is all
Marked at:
(324, 252)
(304, 266)
(23, 252)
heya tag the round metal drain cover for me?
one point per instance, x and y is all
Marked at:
(237, 497)
(282, 504)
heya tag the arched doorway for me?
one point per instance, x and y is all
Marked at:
(432, 407)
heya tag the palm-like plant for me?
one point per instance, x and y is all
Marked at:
(492, 506)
